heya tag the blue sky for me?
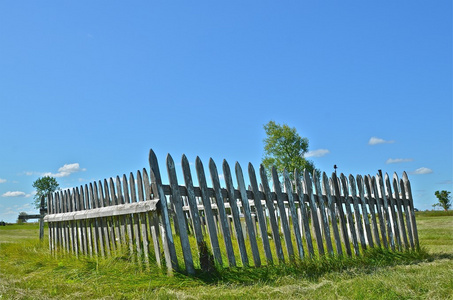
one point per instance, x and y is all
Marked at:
(88, 87)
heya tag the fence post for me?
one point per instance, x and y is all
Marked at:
(42, 212)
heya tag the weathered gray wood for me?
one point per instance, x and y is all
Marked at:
(106, 223)
(380, 213)
(322, 210)
(220, 204)
(365, 219)
(393, 216)
(143, 224)
(341, 215)
(333, 218)
(293, 211)
(99, 221)
(201, 244)
(128, 218)
(153, 218)
(260, 214)
(372, 205)
(303, 211)
(314, 211)
(357, 216)
(167, 237)
(235, 213)
(407, 215)
(381, 191)
(248, 215)
(283, 216)
(349, 216)
(120, 241)
(272, 214)
(122, 218)
(72, 228)
(399, 204)
(95, 225)
(410, 200)
(138, 234)
(86, 229)
(177, 205)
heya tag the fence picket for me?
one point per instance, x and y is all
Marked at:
(357, 217)
(220, 204)
(272, 215)
(167, 237)
(333, 218)
(341, 215)
(410, 200)
(235, 212)
(102, 217)
(322, 209)
(393, 216)
(260, 214)
(283, 216)
(398, 203)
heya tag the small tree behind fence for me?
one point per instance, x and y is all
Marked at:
(233, 226)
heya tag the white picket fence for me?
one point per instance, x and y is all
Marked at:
(293, 219)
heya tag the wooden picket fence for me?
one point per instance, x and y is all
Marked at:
(293, 219)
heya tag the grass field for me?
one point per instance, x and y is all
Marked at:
(27, 271)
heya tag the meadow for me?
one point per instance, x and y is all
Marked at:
(29, 271)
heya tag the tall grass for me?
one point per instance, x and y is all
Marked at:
(28, 271)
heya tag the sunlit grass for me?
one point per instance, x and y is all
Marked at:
(29, 271)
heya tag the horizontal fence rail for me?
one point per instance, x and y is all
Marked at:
(299, 216)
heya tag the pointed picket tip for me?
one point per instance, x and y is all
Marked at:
(405, 178)
(251, 168)
(238, 169)
(170, 161)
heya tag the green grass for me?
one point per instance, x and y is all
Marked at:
(28, 271)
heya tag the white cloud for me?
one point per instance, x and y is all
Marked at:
(14, 194)
(375, 141)
(66, 170)
(29, 173)
(2, 180)
(317, 153)
(398, 160)
(423, 170)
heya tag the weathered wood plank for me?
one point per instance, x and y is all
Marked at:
(260, 214)
(283, 216)
(399, 205)
(153, 219)
(293, 211)
(407, 215)
(212, 231)
(322, 210)
(357, 216)
(410, 200)
(380, 213)
(314, 212)
(341, 215)
(248, 215)
(138, 234)
(143, 223)
(97, 231)
(235, 213)
(106, 222)
(100, 222)
(167, 237)
(333, 218)
(272, 214)
(349, 216)
(371, 206)
(177, 205)
(393, 216)
(381, 191)
(128, 218)
(365, 218)
(220, 204)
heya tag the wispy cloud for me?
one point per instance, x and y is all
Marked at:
(422, 171)
(398, 160)
(15, 194)
(317, 153)
(66, 170)
(446, 182)
(2, 180)
(376, 141)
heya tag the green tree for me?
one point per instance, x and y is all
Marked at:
(444, 199)
(284, 148)
(21, 221)
(44, 186)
